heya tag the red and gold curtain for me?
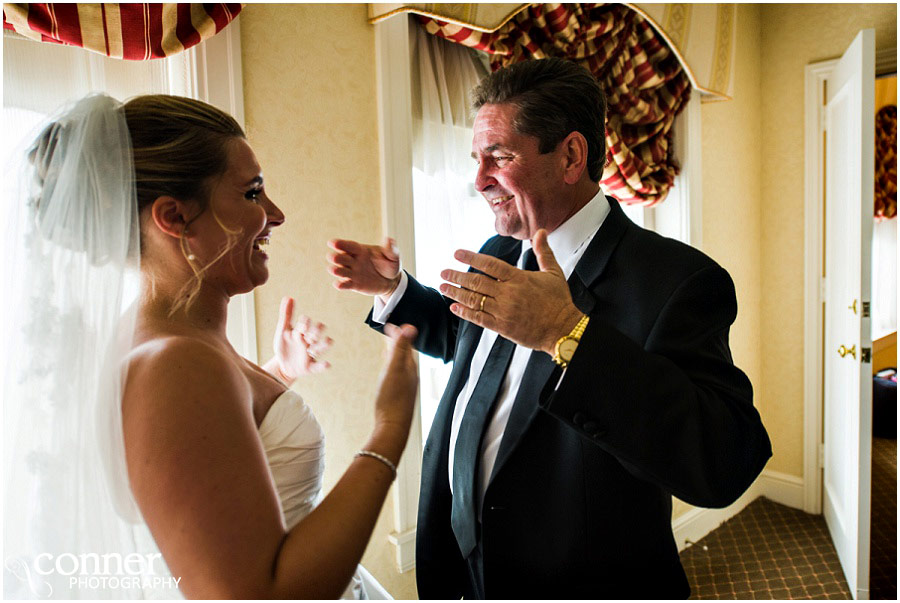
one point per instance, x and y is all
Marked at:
(134, 32)
(644, 82)
(886, 162)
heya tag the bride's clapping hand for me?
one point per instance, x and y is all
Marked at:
(298, 347)
(397, 392)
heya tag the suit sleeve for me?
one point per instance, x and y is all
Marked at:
(428, 311)
(675, 411)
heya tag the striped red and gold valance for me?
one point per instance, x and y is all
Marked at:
(644, 82)
(886, 163)
(135, 32)
(701, 35)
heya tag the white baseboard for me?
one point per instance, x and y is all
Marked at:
(782, 488)
(697, 523)
(404, 549)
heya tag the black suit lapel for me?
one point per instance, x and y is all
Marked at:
(599, 252)
(540, 365)
(435, 456)
(508, 250)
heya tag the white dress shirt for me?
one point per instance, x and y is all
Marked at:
(568, 243)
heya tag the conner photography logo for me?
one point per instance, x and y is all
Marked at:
(89, 572)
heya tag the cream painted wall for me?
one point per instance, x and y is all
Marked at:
(732, 197)
(731, 148)
(309, 97)
(792, 36)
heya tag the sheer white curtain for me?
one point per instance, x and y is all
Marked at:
(40, 375)
(449, 213)
(884, 278)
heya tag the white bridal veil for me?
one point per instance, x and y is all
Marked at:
(73, 249)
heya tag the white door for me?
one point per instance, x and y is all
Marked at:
(849, 190)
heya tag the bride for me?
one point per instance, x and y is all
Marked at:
(148, 416)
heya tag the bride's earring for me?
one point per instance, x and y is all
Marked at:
(187, 250)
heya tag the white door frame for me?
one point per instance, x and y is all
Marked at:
(816, 75)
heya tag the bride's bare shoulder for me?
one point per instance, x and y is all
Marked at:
(174, 369)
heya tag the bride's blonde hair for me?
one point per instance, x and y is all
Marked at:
(180, 147)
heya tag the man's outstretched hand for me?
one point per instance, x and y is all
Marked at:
(368, 269)
(532, 308)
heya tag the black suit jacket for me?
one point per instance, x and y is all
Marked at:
(579, 501)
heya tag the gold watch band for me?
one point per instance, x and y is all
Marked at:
(579, 329)
(574, 336)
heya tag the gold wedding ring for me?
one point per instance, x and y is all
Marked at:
(481, 307)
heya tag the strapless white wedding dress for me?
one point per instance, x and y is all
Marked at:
(295, 450)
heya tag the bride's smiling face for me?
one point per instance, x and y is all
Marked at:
(239, 217)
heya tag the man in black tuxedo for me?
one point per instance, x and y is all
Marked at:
(592, 377)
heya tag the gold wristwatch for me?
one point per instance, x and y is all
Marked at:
(567, 344)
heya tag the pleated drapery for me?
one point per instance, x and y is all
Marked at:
(886, 162)
(644, 82)
(136, 32)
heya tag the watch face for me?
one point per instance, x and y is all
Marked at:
(567, 349)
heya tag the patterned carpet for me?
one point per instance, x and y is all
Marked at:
(767, 551)
(883, 572)
(770, 551)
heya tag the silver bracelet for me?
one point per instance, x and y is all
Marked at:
(379, 457)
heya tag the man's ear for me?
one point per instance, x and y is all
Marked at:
(170, 215)
(574, 155)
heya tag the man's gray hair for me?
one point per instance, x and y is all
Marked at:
(554, 98)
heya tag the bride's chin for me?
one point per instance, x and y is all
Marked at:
(259, 279)
(254, 279)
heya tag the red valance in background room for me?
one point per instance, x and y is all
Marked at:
(123, 31)
(886, 162)
(644, 82)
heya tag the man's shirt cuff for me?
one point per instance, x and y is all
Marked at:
(382, 311)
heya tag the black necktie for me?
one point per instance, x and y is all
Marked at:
(471, 431)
